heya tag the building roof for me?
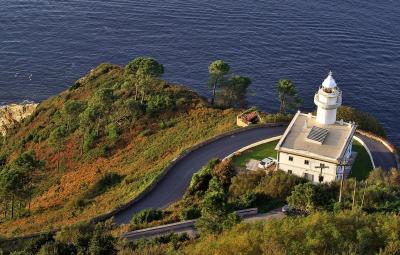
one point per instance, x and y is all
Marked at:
(296, 139)
(329, 82)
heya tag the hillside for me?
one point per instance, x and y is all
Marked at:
(96, 146)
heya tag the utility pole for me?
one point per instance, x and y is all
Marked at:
(341, 188)
(363, 196)
(354, 194)
(321, 167)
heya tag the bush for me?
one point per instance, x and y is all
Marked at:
(321, 233)
(158, 103)
(190, 213)
(200, 180)
(276, 118)
(245, 182)
(146, 216)
(112, 131)
(278, 184)
(364, 120)
(307, 198)
(107, 181)
(89, 140)
(224, 172)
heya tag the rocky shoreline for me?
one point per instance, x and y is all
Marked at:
(13, 113)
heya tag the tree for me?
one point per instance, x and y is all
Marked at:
(87, 119)
(307, 197)
(56, 140)
(233, 92)
(215, 210)
(15, 184)
(72, 109)
(217, 70)
(142, 71)
(148, 65)
(287, 94)
(224, 172)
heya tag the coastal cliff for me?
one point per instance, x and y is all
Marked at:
(14, 113)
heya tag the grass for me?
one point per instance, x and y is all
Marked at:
(259, 152)
(363, 165)
(360, 170)
(106, 176)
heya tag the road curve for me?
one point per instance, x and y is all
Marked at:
(173, 185)
(380, 153)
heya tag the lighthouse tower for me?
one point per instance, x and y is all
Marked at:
(328, 99)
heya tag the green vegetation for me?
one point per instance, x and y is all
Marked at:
(364, 120)
(227, 90)
(146, 216)
(100, 144)
(259, 152)
(217, 70)
(362, 165)
(288, 96)
(321, 233)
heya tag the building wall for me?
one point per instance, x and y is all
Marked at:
(299, 168)
(326, 116)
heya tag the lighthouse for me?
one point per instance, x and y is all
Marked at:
(328, 98)
(318, 148)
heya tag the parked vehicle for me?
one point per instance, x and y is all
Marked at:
(285, 209)
(265, 163)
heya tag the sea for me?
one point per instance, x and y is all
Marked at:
(46, 45)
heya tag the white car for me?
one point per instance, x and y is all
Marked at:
(265, 163)
(285, 209)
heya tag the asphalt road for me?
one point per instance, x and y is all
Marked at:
(381, 155)
(173, 185)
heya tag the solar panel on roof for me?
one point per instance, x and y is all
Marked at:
(317, 134)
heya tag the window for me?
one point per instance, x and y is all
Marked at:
(306, 162)
(290, 158)
(289, 171)
(309, 177)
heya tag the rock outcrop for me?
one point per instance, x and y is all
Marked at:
(14, 113)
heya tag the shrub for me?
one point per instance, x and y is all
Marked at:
(200, 180)
(146, 216)
(277, 117)
(112, 131)
(245, 182)
(89, 140)
(278, 184)
(307, 198)
(364, 120)
(190, 213)
(158, 103)
(224, 171)
(107, 181)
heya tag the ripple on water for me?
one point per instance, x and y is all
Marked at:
(57, 42)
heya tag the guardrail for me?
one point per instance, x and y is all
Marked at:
(188, 227)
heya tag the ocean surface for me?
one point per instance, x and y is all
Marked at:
(46, 45)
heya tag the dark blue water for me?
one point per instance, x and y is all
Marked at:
(46, 45)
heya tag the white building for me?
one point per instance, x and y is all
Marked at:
(319, 147)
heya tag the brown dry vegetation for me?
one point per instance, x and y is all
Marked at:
(143, 149)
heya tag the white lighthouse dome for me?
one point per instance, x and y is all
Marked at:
(329, 82)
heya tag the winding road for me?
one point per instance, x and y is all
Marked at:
(173, 185)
